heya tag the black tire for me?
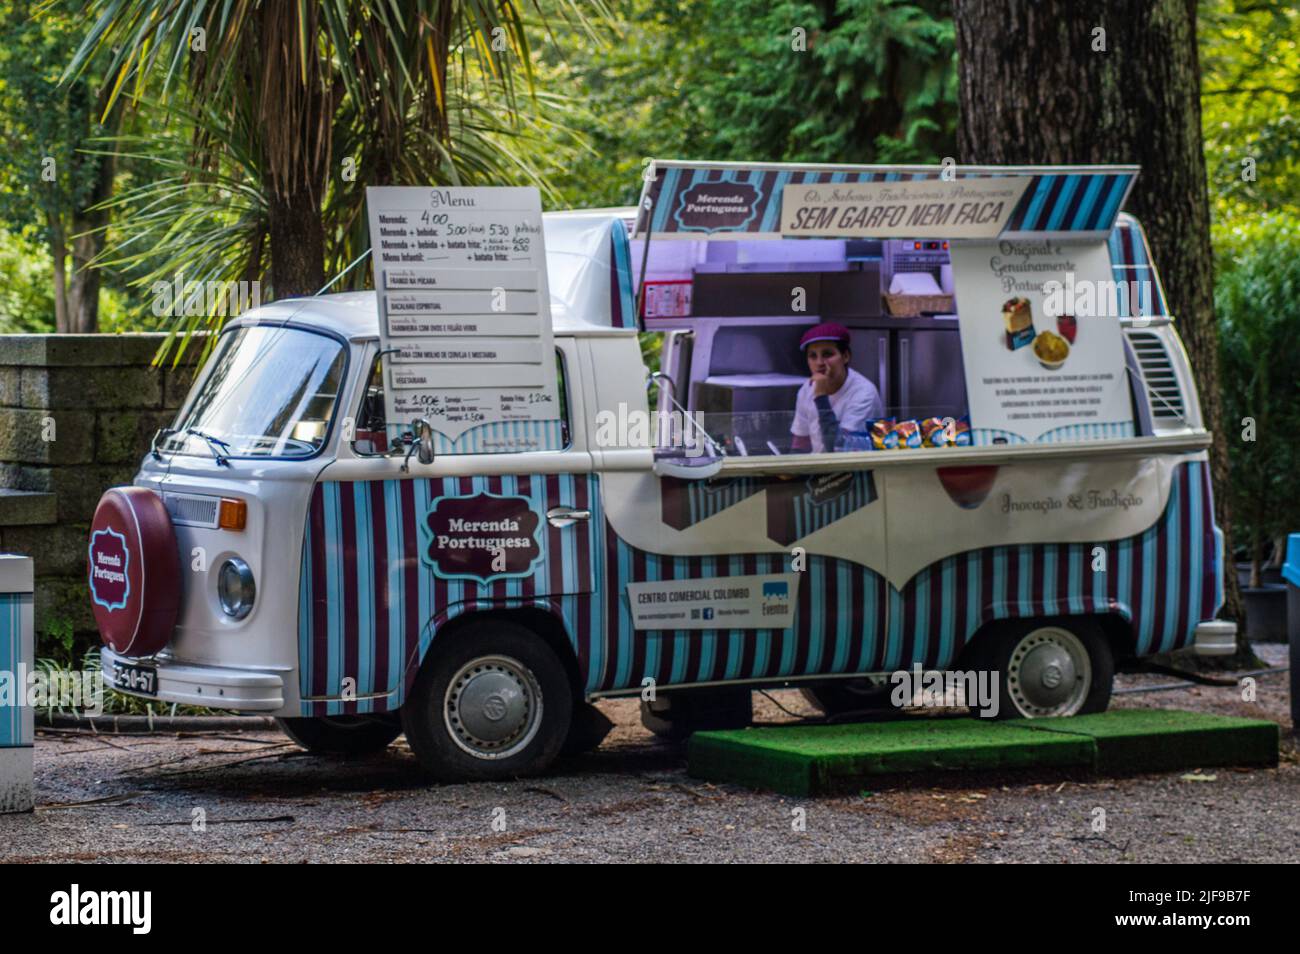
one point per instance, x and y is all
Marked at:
(342, 735)
(846, 696)
(498, 666)
(677, 715)
(1008, 656)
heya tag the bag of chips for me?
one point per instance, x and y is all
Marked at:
(883, 436)
(934, 432)
(961, 429)
(909, 433)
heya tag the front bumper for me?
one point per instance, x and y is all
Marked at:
(216, 687)
(1215, 637)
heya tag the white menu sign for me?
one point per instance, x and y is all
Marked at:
(1040, 338)
(464, 315)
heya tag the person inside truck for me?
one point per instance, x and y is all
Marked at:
(835, 398)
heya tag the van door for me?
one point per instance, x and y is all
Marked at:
(390, 556)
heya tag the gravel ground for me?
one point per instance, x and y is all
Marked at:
(134, 798)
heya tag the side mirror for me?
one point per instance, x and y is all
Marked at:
(421, 444)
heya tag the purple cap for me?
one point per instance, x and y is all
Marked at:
(827, 331)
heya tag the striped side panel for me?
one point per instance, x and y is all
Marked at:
(372, 615)
(622, 299)
(1138, 289)
(15, 726)
(1162, 581)
(849, 619)
(369, 605)
(840, 609)
(1093, 431)
(502, 437)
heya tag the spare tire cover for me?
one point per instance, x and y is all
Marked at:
(134, 571)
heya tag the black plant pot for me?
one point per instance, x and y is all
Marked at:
(1268, 575)
(1265, 613)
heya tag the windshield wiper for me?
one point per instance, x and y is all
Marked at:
(215, 444)
(157, 436)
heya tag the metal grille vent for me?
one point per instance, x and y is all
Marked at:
(191, 510)
(1158, 371)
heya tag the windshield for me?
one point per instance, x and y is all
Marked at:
(271, 393)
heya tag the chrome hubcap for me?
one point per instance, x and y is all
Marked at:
(1049, 673)
(493, 707)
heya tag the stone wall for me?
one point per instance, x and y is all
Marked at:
(77, 413)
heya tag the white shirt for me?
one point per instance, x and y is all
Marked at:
(855, 403)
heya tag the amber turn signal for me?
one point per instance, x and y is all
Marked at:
(233, 514)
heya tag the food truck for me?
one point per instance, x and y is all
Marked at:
(462, 508)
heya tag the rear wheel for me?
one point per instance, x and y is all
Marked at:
(342, 735)
(1050, 668)
(491, 702)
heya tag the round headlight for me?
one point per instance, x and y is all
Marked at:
(235, 588)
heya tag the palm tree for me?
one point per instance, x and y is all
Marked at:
(272, 86)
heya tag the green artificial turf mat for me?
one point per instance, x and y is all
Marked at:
(821, 759)
(1161, 740)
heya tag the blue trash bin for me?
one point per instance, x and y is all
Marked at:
(16, 652)
(1291, 573)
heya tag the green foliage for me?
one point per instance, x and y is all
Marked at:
(42, 125)
(1257, 300)
(417, 99)
(865, 81)
(57, 644)
(26, 294)
(1250, 64)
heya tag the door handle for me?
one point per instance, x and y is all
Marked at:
(566, 516)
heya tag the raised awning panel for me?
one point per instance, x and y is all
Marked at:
(677, 201)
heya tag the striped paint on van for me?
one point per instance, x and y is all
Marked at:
(1132, 268)
(370, 608)
(15, 729)
(369, 605)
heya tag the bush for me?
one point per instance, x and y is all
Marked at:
(1257, 300)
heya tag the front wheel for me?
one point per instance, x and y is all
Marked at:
(492, 702)
(1049, 668)
(342, 735)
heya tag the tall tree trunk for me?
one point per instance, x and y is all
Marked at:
(297, 245)
(296, 108)
(59, 255)
(88, 221)
(1112, 81)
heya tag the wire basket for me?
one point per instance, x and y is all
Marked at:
(909, 306)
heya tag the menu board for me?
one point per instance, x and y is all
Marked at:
(1041, 342)
(464, 316)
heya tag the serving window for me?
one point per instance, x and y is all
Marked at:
(741, 307)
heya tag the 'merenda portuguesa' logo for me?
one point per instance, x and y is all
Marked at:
(110, 561)
(482, 537)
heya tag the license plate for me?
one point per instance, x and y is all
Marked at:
(142, 680)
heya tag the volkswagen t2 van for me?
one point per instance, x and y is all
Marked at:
(1031, 498)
